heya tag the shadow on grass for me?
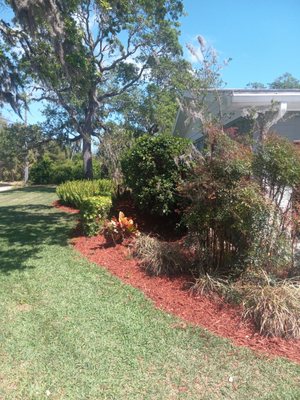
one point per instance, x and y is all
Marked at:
(24, 229)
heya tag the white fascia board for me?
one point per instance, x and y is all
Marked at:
(265, 98)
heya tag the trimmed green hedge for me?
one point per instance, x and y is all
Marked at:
(73, 193)
(93, 211)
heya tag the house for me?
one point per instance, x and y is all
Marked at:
(282, 106)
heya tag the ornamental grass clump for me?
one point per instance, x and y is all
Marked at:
(158, 257)
(275, 309)
(207, 284)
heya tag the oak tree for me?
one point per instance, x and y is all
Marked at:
(80, 54)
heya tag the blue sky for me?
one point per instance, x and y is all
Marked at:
(261, 36)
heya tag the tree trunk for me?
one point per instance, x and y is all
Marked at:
(26, 169)
(263, 133)
(87, 157)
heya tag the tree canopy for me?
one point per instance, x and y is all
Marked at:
(80, 54)
(19, 147)
(10, 82)
(284, 81)
(153, 107)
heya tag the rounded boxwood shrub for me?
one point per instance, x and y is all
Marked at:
(152, 170)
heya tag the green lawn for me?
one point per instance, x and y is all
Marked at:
(69, 330)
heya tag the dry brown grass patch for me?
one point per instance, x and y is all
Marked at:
(275, 309)
(159, 257)
(206, 284)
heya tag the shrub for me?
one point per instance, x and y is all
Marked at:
(276, 166)
(276, 163)
(93, 211)
(41, 171)
(73, 193)
(67, 170)
(230, 161)
(207, 284)
(48, 171)
(237, 224)
(227, 211)
(152, 170)
(275, 309)
(158, 257)
(117, 230)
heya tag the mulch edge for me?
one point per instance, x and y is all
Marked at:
(67, 209)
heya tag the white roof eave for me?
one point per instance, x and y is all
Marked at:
(265, 98)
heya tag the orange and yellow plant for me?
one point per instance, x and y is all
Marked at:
(117, 230)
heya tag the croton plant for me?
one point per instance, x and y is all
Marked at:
(117, 230)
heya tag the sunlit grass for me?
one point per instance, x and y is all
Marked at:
(69, 330)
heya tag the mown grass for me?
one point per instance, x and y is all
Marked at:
(69, 330)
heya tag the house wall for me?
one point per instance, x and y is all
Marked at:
(289, 128)
(191, 130)
(194, 133)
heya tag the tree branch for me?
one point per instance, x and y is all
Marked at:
(125, 87)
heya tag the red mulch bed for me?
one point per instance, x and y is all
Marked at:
(171, 295)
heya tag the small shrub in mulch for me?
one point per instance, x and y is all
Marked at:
(93, 211)
(160, 257)
(118, 229)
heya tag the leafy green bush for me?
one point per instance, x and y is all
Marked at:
(276, 167)
(236, 213)
(152, 169)
(48, 171)
(228, 211)
(72, 193)
(93, 211)
(66, 171)
(41, 171)
(277, 163)
(230, 161)
(228, 226)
